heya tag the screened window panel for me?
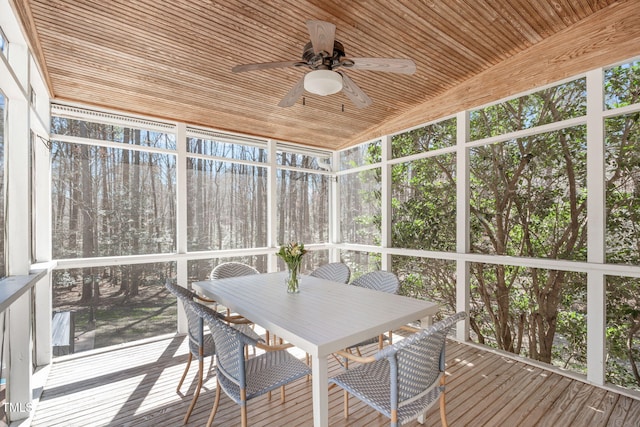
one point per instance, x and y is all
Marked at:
(116, 304)
(427, 138)
(360, 207)
(551, 105)
(360, 155)
(227, 206)
(112, 133)
(111, 202)
(4, 45)
(622, 157)
(361, 262)
(3, 113)
(528, 196)
(424, 204)
(303, 161)
(228, 150)
(302, 207)
(623, 331)
(536, 313)
(622, 85)
(427, 279)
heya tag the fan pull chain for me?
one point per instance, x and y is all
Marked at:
(303, 101)
(343, 108)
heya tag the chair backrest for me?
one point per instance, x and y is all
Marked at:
(384, 281)
(231, 269)
(335, 271)
(417, 361)
(179, 291)
(229, 343)
(194, 321)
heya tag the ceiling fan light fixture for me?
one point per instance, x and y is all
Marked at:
(323, 82)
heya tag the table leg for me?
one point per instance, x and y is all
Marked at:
(425, 322)
(320, 389)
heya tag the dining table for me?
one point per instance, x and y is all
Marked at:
(322, 318)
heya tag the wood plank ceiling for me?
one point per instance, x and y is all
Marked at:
(173, 59)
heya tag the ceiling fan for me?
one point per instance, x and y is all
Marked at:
(324, 55)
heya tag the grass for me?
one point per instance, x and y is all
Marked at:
(116, 318)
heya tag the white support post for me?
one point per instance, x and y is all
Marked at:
(40, 125)
(41, 237)
(596, 283)
(19, 394)
(18, 256)
(462, 222)
(181, 217)
(334, 213)
(16, 187)
(386, 212)
(181, 188)
(272, 203)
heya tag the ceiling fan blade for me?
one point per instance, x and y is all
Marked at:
(322, 36)
(390, 65)
(353, 91)
(293, 95)
(264, 66)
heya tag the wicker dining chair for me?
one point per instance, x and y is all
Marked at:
(200, 345)
(234, 269)
(383, 281)
(334, 271)
(244, 379)
(403, 380)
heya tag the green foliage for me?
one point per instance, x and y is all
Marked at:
(424, 192)
(528, 199)
(622, 85)
(623, 331)
(429, 279)
(547, 106)
(571, 337)
(622, 156)
(431, 137)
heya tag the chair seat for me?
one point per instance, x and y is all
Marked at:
(266, 372)
(371, 383)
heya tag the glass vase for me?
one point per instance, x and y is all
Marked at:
(292, 279)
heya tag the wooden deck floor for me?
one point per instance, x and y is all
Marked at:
(135, 386)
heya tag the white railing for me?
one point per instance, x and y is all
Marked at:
(23, 344)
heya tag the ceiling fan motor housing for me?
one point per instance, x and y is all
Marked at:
(322, 60)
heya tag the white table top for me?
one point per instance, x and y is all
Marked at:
(324, 317)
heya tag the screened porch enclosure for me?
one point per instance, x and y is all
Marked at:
(529, 175)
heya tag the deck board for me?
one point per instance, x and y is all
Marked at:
(135, 386)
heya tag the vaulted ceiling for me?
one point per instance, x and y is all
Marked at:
(173, 59)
